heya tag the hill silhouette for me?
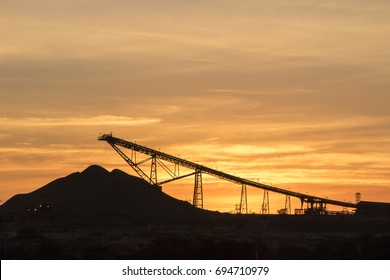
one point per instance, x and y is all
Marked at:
(96, 191)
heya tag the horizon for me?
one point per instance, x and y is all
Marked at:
(188, 188)
(290, 94)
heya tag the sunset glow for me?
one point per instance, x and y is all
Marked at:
(290, 93)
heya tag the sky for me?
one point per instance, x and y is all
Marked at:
(289, 93)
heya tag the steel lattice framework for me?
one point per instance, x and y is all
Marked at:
(157, 157)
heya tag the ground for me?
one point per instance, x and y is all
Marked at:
(212, 236)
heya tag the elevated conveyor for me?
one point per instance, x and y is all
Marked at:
(313, 201)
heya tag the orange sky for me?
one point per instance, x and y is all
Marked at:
(292, 93)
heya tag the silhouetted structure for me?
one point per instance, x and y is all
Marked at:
(265, 205)
(243, 200)
(315, 205)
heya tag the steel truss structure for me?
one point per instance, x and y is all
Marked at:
(265, 205)
(243, 201)
(315, 204)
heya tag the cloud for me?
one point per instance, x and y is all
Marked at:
(82, 121)
(271, 91)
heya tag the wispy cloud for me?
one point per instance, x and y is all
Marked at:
(271, 91)
(81, 121)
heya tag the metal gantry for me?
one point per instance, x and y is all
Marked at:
(316, 205)
(198, 190)
(243, 201)
(265, 205)
(287, 204)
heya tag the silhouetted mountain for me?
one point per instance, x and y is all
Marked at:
(96, 191)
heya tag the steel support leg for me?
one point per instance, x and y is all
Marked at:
(287, 205)
(243, 201)
(265, 205)
(153, 171)
(198, 190)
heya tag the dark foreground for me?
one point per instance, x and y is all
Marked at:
(213, 236)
